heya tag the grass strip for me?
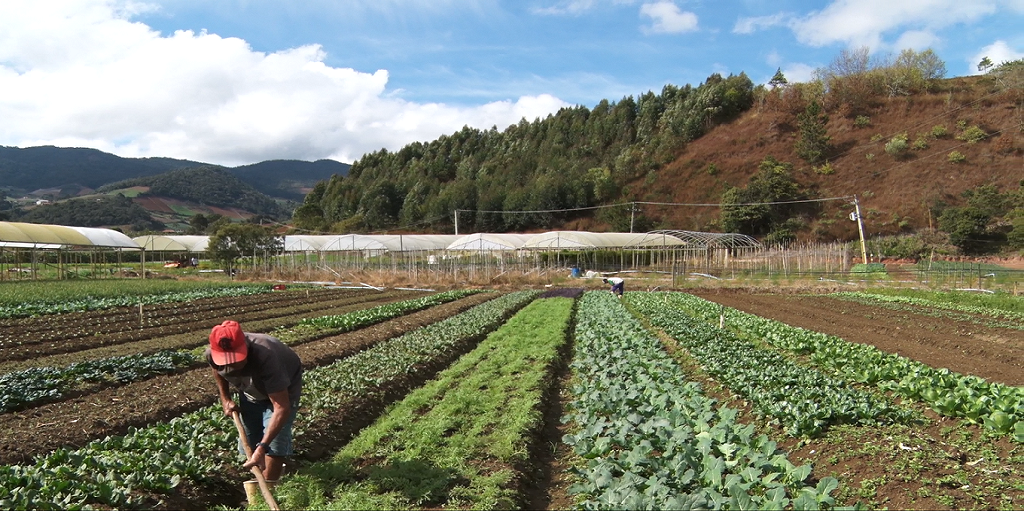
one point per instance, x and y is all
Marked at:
(455, 443)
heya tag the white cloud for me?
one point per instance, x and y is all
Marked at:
(863, 22)
(576, 7)
(919, 40)
(80, 73)
(667, 18)
(998, 52)
(566, 7)
(754, 24)
(797, 72)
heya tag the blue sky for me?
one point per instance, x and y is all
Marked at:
(239, 81)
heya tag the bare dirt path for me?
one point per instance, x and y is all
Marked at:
(996, 354)
(112, 411)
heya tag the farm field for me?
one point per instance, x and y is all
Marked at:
(941, 463)
(641, 402)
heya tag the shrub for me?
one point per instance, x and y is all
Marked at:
(972, 135)
(862, 121)
(961, 124)
(876, 137)
(825, 169)
(897, 145)
(939, 131)
(901, 247)
(868, 268)
(870, 156)
(920, 143)
(956, 157)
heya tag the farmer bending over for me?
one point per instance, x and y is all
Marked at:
(617, 285)
(268, 377)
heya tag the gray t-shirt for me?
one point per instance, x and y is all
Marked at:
(270, 367)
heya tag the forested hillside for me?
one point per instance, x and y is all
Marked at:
(918, 150)
(62, 172)
(576, 158)
(205, 185)
(31, 168)
(114, 210)
(288, 179)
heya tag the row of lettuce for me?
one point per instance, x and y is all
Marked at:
(31, 387)
(122, 297)
(999, 408)
(125, 471)
(643, 433)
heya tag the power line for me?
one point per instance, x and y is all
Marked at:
(634, 203)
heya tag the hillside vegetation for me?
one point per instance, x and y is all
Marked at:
(26, 169)
(919, 151)
(206, 185)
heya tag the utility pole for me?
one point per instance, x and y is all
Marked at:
(456, 222)
(632, 215)
(860, 227)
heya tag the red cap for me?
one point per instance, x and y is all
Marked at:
(227, 343)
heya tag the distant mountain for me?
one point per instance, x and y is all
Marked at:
(289, 179)
(23, 170)
(69, 171)
(206, 185)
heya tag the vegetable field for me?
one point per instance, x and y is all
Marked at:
(524, 400)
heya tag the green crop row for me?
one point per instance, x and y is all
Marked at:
(926, 306)
(649, 439)
(118, 471)
(38, 385)
(998, 407)
(454, 443)
(363, 373)
(805, 401)
(24, 309)
(359, 319)
(43, 384)
(54, 291)
(1001, 301)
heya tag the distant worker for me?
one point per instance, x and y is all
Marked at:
(268, 377)
(617, 285)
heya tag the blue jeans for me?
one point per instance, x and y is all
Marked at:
(256, 417)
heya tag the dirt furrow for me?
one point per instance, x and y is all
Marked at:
(112, 411)
(996, 354)
(130, 334)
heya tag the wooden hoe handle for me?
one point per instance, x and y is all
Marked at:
(264, 489)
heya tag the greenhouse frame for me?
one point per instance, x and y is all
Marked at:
(27, 249)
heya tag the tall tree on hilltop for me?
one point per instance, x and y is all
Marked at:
(813, 144)
(779, 80)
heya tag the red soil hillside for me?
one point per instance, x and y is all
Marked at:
(895, 194)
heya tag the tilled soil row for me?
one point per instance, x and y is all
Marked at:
(112, 411)
(197, 335)
(188, 323)
(324, 437)
(996, 354)
(182, 341)
(115, 319)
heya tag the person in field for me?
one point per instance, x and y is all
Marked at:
(267, 376)
(617, 285)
